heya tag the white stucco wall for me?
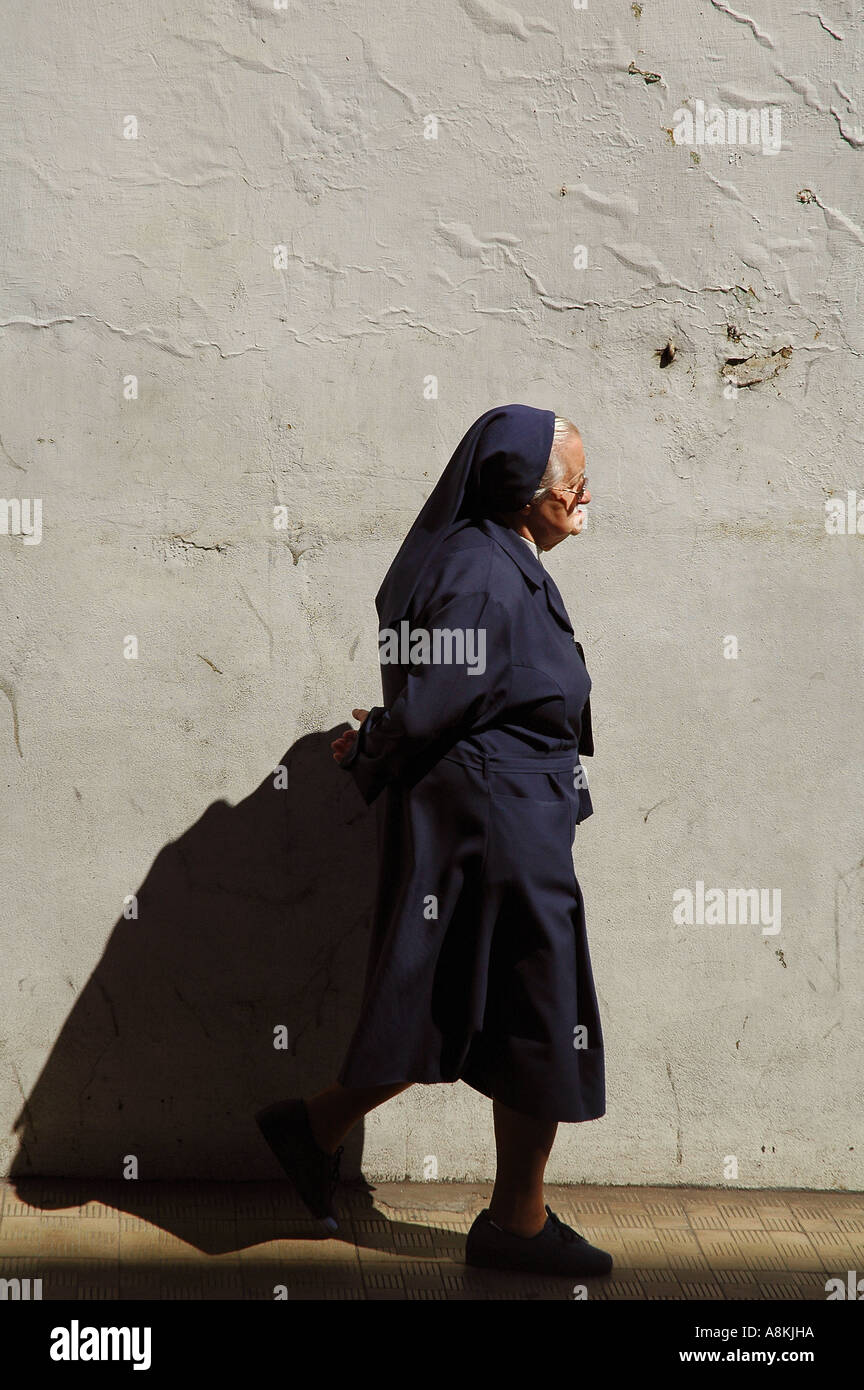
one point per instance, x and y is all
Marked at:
(408, 258)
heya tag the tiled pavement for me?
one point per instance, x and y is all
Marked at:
(406, 1241)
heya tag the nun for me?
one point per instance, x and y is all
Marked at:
(478, 966)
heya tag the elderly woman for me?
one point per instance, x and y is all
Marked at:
(478, 967)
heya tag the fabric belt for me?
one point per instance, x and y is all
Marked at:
(554, 761)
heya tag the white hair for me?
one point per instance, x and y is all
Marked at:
(556, 468)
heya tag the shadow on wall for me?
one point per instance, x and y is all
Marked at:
(256, 918)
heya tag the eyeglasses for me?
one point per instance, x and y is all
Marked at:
(579, 492)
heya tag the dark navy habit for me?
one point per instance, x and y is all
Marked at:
(478, 965)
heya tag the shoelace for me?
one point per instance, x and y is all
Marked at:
(565, 1231)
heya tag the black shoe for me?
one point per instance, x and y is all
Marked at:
(557, 1249)
(314, 1173)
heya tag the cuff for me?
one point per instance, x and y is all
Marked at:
(357, 746)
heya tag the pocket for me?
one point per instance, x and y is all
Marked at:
(543, 788)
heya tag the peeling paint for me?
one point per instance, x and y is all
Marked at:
(493, 18)
(758, 34)
(817, 14)
(749, 371)
(648, 76)
(183, 548)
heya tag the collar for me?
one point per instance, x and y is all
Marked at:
(514, 544)
(531, 567)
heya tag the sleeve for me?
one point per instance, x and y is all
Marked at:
(440, 696)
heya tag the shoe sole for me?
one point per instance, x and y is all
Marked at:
(517, 1266)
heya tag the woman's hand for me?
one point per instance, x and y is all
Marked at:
(342, 745)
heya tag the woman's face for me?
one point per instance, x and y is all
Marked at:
(560, 513)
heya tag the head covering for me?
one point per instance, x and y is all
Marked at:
(496, 467)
